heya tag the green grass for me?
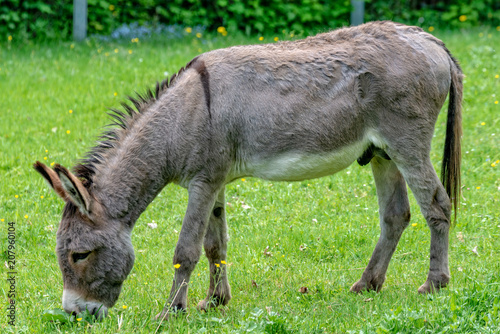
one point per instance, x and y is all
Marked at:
(334, 219)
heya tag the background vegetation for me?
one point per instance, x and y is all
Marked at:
(41, 19)
(319, 234)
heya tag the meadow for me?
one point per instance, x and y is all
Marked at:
(317, 234)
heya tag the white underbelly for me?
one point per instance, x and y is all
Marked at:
(297, 166)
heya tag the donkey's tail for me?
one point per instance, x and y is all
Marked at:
(450, 172)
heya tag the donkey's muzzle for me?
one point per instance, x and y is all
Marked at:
(74, 303)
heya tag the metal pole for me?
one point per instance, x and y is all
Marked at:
(358, 12)
(79, 20)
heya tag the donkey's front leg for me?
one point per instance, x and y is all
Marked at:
(188, 250)
(394, 209)
(215, 244)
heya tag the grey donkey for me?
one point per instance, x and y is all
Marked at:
(284, 112)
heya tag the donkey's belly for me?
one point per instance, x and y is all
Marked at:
(296, 166)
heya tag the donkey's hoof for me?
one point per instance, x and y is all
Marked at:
(211, 302)
(358, 287)
(167, 313)
(430, 287)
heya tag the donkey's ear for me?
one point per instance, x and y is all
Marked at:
(52, 179)
(74, 188)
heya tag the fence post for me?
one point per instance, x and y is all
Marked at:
(358, 12)
(79, 20)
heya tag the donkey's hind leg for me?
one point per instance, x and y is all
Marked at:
(215, 244)
(436, 208)
(394, 211)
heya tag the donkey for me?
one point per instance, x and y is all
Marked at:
(283, 112)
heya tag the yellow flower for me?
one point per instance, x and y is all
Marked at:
(276, 39)
(115, 94)
(243, 180)
(462, 18)
(493, 164)
(2, 220)
(497, 161)
(224, 33)
(498, 28)
(106, 54)
(68, 132)
(177, 266)
(124, 306)
(52, 163)
(223, 262)
(44, 158)
(496, 102)
(79, 319)
(70, 111)
(111, 7)
(41, 197)
(414, 224)
(481, 34)
(198, 34)
(431, 28)
(116, 50)
(483, 123)
(16, 196)
(261, 38)
(221, 30)
(497, 76)
(217, 265)
(129, 52)
(478, 188)
(188, 30)
(9, 38)
(46, 151)
(26, 216)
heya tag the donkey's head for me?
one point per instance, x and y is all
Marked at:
(94, 251)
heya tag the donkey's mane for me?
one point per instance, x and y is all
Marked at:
(121, 122)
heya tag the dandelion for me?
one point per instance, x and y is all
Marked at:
(177, 266)
(217, 265)
(9, 38)
(79, 319)
(188, 30)
(261, 38)
(481, 35)
(414, 224)
(72, 46)
(496, 102)
(52, 163)
(498, 28)
(46, 151)
(462, 18)
(129, 52)
(106, 54)
(223, 262)
(70, 111)
(68, 132)
(243, 180)
(483, 123)
(115, 94)
(2, 220)
(44, 158)
(198, 34)
(493, 164)
(41, 197)
(111, 7)
(497, 76)
(124, 306)
(116, 50)
(478, 188)
(431, 29)
(26, 216)
(220, 30)
(16, 196)
(276, 38)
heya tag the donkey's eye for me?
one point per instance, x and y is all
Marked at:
(80, 256)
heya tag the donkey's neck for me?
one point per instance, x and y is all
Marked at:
(137, 167)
